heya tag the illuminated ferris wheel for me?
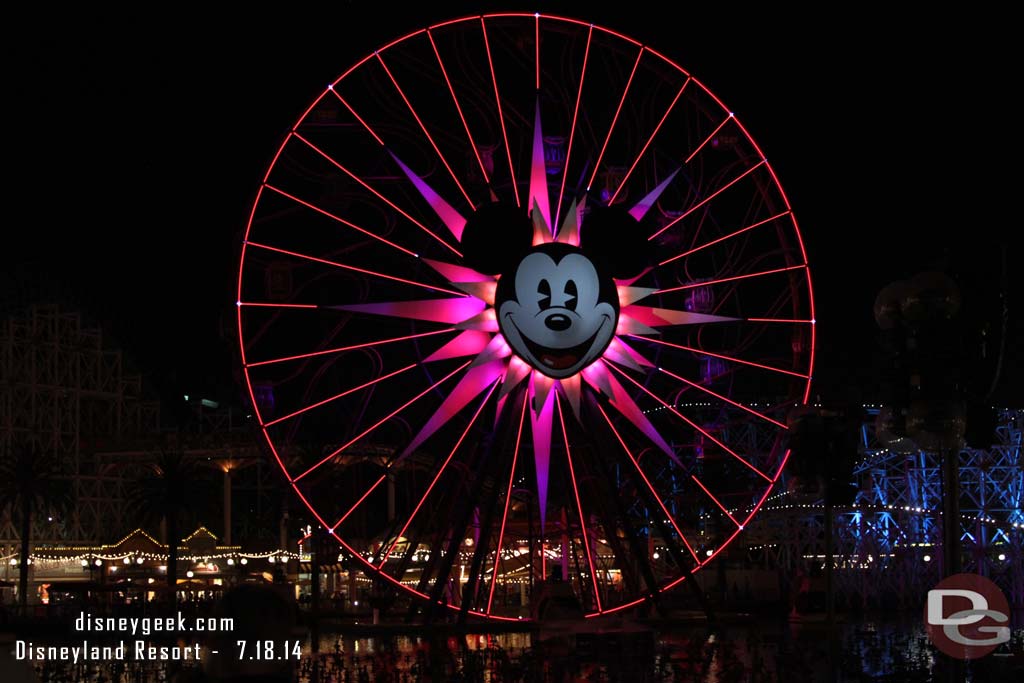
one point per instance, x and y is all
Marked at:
(520, 298)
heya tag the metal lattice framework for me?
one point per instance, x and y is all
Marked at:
(62, 386)
(888, 544)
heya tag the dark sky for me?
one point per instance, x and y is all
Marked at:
(136, 145)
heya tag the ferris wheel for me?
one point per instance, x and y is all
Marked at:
(520, 299)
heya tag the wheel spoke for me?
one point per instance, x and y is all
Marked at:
(458, 107)
(377, 424)
(508, 499)
(618, 110)
(501, 116)
(711, 196)
(437, 476)
(724, 399)
(352, 347)
(579, 506)
(649, 141)
(345, 266)
(745, 276)
(426, 133)
(337, 396)
(721, 356)
(717, 502)
(693, 424)
(375, 193)
(708, 139)
(339, 219)
(725, 237)
(572, 129)
(650, 486)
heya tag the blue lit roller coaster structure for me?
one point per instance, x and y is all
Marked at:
(888, 543)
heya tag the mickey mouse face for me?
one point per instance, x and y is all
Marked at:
(557, 303)
(556, 310)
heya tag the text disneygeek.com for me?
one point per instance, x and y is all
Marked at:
(107, 630)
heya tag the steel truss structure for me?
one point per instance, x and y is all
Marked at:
(62, 386)
(888, 544)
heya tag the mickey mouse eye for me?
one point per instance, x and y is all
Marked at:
(570, 295)
(544, 289)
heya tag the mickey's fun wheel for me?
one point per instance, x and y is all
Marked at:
(522, 301)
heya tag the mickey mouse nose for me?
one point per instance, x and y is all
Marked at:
(557, 322)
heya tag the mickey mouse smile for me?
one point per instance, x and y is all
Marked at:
(559, 359)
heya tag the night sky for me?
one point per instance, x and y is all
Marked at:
(135, 146)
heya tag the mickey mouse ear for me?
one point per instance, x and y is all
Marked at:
(496, 237)
(611, 237)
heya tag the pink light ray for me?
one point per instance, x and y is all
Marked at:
(496, 348)
(707, 435)
(717, 502)
(377, 194)
(650, 486)
(469, 387)
(626, 349)
(724, 399)
(641, 208)
(330, 456)
(501, 116)
(517, 371)
(728, 358)
(538, 196)
(572, 128)
(647, 144)
(426, 133)
(630, 295)
(434, 310)
(598, 377)
(725, 237)
(731, 279)
(448, 215)
(661, 317)
(458, 107)
(481, 290)
(707, 199)
(340, 395)
(539, 388)
(617, 354)
(508, 500)
(569, 233)
(345, 266)
(342, 349)
(339, 219)
(579, 507)
(469, 342)
(540, 424)
(457, 274)
(625, 405)
(629, 325)
(571, 387)
(485, 321)
(440, 471)
(541, 229)
(618, 110)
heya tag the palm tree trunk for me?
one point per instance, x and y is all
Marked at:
(172, 555)
(26, 530)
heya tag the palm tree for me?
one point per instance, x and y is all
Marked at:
(165, 495)
(31, 482)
